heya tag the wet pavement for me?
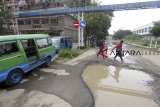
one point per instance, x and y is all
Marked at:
(59, 85)
(118, 87)
(88, 81)
(131, 83)
(17, 98)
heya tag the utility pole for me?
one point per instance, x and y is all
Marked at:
(16, 30)
(80, 30)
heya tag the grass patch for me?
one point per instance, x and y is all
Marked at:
(68, 53)
(143, 42)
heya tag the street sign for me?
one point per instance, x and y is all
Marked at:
(76, 24)
(83, 25)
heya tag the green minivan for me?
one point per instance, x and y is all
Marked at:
(22, 53)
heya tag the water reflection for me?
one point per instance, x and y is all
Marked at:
(116, 73)
(116, 83)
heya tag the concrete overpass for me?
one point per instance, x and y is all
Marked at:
(114, 7)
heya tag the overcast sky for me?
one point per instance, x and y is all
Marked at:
(132, 18)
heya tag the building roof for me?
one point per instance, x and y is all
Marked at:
(144, 26)
(22, 36)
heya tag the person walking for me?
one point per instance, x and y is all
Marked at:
(101, 44)
(118, 48)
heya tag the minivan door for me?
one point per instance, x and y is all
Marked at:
(45, 47)
(10, 54)
(30, 51)
(62, 43)
(66, 43)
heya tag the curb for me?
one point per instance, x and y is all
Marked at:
(56, 56)
(84, 50)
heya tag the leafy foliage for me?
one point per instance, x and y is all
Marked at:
(4, 19)
(145, 42)
(68, 53)
(156, 29)
(98, 23)
(78, 3)
(120, 34)
(133, 37)
(138, 39)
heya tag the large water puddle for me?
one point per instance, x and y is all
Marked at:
(118, 87)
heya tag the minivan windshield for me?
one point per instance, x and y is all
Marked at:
(55, 41)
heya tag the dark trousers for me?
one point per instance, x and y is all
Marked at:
(119, 53)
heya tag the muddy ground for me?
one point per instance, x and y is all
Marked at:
(62, 84)
(134, 82)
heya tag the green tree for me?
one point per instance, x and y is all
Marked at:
(78, 3)
(133, 37)
(4, 19)
(156, 31)
(98, 23)
(120, 34)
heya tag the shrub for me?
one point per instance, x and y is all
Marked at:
(158, 42)
(133, 37)
(145, 42)
(68, 53)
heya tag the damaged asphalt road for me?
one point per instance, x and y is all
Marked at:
(62, 85)
(63, 81)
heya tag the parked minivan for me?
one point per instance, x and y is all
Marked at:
(22, 53)
(62, 42)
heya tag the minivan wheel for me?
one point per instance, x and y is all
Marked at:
(14, 77)
(48, 62)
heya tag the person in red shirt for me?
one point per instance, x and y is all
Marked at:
(118, 48)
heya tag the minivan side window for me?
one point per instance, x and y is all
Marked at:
(8, 47)
(42, 43)
(50, 42)
(69, 40)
